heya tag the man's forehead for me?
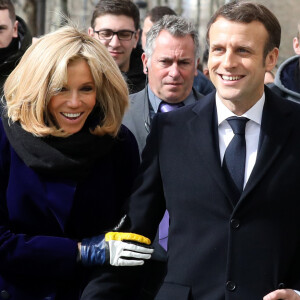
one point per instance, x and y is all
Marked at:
(4, 17)
(167, 43)
(111, 21)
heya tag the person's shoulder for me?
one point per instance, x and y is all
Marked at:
(285, 105)
(126, 143)
(136, 97)
(125, 136)
(4, 144)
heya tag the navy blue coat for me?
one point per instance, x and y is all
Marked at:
(42, 219)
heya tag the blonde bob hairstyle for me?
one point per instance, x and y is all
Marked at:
(42, 72)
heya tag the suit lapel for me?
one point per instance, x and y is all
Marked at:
(204, 132)
(275, 130)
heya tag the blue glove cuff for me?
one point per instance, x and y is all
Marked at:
(93, 251)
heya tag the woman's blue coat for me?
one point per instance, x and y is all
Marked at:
(42, 219)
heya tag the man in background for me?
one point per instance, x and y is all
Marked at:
(171, 67)
(15, 38)
(154, 15)
(201, 84)
(287, 79)
(170, 61)
(115, 23)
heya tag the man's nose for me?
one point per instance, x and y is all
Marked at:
(229, 60)
(114, 42)
(174, 70)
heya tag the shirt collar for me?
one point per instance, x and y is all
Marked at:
(254, 113)
(155, 101)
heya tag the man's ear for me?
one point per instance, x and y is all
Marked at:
(15, 29)
(196, 69)
(145, 61)
(296, 45)
(91, 31)
(271, 59)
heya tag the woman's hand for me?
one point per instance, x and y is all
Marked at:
(116, 249)
(282, 294)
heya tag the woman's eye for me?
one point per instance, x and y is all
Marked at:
(87, 88)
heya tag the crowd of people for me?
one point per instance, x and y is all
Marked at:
(133, 168)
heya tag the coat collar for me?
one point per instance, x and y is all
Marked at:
(204, 130)
(275, 130)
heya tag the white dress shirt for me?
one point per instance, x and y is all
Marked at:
(252, 131)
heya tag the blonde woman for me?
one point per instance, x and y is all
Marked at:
(66, 166)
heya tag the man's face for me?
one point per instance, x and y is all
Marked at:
(120, 50)
(147, 26)
(172, 67)
(236, 64)
(8, 30)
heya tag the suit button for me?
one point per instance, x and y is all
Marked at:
(281, 286)
(230, 285)
(4, 294)
(235, 223)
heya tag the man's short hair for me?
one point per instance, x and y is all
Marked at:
(117, 7)
(157, 12)
(7, 4)
(247, 12)
(177, 27)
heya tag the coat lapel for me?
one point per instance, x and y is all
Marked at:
(275, 130)
(204, 133)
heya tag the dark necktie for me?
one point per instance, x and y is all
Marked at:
(235, 155)
(163, 230)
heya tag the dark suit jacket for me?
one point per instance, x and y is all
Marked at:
(137, 117)
(217, 251)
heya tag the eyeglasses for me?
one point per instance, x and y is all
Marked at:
(107, 34)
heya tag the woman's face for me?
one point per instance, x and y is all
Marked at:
(73, 104)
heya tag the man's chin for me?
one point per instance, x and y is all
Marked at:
(173, 98)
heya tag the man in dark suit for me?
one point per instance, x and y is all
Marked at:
(170, 61)
(170, 77)
(231, 237)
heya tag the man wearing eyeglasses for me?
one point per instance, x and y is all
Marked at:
(115, 23)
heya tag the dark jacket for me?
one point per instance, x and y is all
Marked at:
(287, 79)
(216, 250)
(135, 76)
(25, 40)
(43, 218)
(202, 84)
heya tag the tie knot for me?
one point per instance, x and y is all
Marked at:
(238, 124)
(165, 107)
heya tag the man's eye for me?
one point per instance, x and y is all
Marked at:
(243, 50)
(165, 62)
(124, 35)
(105, 33)
(219, 49)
